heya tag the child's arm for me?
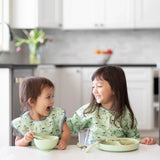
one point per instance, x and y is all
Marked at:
(148, 141)
(64, 137)
(25, 140)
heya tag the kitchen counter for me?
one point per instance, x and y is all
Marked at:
(98, 65)
(72, 152)
(17, 65)
(74, 65)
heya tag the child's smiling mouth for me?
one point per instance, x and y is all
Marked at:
(97, 96)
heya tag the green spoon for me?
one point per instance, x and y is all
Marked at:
(90, 147)
(38, 137)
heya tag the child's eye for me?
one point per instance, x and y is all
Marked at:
(48, 97)
(99, 86)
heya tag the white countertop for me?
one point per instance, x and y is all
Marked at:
(147, 152)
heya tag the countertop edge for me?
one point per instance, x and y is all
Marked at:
(74, 65)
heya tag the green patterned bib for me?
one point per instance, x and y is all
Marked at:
(51, 125)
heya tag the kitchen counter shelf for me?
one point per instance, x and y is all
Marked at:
(98, 65)
(75, 65)
(17, 66)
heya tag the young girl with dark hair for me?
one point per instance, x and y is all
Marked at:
(109, 114)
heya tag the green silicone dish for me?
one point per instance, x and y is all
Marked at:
(46, 142)
(119, 145)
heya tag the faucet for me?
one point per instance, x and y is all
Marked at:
(9, 30)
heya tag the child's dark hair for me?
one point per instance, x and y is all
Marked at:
(115, 76)
(31, 87)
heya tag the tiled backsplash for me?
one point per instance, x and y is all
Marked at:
(129, 46)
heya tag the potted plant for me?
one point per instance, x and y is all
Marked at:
(34, 38)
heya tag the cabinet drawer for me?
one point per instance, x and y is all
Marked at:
(88, 72)
(138, 74)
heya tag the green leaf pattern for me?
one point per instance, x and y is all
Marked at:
(102, 127)
(51, 125)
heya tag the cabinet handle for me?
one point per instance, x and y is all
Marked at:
(60, 25)
(18, 79)
(78, 71)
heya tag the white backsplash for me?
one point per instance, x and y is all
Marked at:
(77, 47)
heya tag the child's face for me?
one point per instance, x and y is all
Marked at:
(102, 92)
(43, 105)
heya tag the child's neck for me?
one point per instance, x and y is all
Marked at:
(35, 116)
(108, 105)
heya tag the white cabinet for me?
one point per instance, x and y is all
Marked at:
(119, 14)
(77, 14)
(140, 91)
(68, 89)
(35, 13)
(67, 81)
(97, 14)
(147, 14)
(111, 14)
(87, 83)
(5, 107)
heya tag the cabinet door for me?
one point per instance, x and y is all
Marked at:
(97, 14)
(5, 107)
(77, 14)
(50, 72)
(49, 13)
(140, 91)
(119, 14)
(35, 13)
(24, 14)
(87, 84)
(141, 102)
(69, 89)
(147, 14)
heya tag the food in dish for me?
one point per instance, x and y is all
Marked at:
(119, 144)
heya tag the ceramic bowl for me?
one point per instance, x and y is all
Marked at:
(102, 58)
(46, 143)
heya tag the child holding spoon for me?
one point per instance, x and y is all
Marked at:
(40, 117)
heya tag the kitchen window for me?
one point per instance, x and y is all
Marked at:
(4, 27)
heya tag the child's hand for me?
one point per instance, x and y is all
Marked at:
(61, 145)
(148, 141)
(28, 137)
